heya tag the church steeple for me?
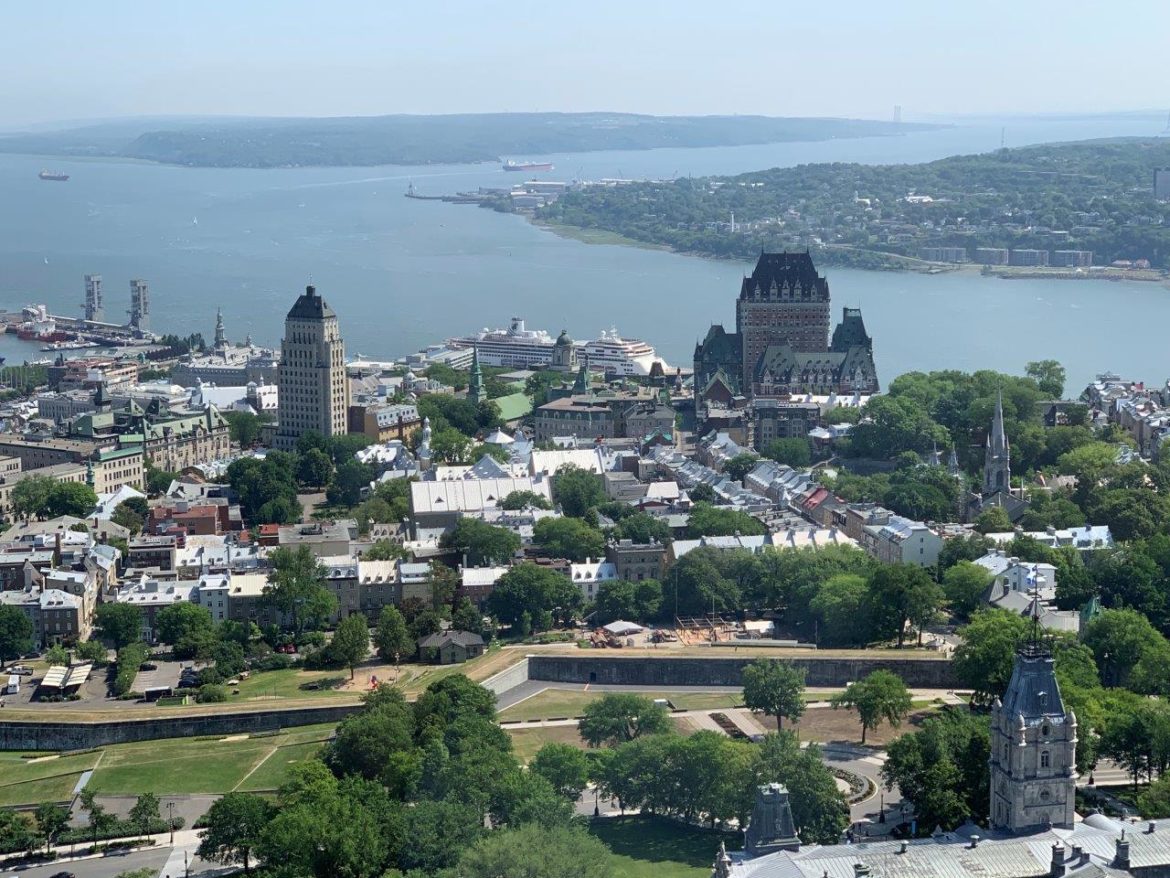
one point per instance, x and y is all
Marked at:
(1033, 745)
(997, 460)
(475, 387)
(220, 334)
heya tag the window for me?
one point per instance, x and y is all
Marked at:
(1045, 759)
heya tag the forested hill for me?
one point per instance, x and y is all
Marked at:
(1092, 195)
(409, 140)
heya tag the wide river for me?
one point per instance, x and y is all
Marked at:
(404, 273)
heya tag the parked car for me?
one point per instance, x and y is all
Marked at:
(21, 670)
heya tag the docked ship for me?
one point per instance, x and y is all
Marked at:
(516, 347)
(40, 326)
(510, 165)
(620, 356)
(519, 347)
(53, 175)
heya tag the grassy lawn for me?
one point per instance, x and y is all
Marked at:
(559, 703)
(274, 770)
(525, 742)
(23, 781)
(183, 765)
(651, 848)
(292, 683)
(33, 792)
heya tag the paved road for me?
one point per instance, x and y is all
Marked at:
(102, 867)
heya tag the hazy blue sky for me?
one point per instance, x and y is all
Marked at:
(824, 57)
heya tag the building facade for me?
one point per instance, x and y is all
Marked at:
(781, 345)
(313, 388)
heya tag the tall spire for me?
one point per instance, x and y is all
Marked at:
(220, 334)
(997, 461)
(475, 386)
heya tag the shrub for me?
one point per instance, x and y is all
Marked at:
(274, 662)
(130, 659)
(211, 693)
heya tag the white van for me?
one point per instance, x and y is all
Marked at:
(13, 687)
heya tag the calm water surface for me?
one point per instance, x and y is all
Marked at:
(404, 273)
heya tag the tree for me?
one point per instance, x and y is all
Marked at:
(483, 544)
(145, 813)
(714, 521)
(71, 498)
(385, 550)
(91, 651)
(985, 658)
(617, 717)
(30, 497)
(52, 820)
(1126, 646)
(234, 823)
(391, 638)
(643, 528)
(57, 655)
(818, 807)
(315, 468)
(964, 585)
(1154, 802)
(903, 594)
(182, 621)
(16, 633)
(774, 688)
(739, 466)
(877, 697)
(245, 428)
(703, 493)
(792, 452)
(564, 766)
(524, 500)
(538, 852)
(841, 608)
(377, 742)
(100, 820)
(351, 641)
(993, 520)
(577, 490)
(942, 768)
(569, 538)
(128, 517)
(119, 623)
(296, 588)
(348, 481)
(530, 588)
(1049, 376)
(635, 601)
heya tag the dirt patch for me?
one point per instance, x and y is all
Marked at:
(823, 724)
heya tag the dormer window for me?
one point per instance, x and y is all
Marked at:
(1045, 730)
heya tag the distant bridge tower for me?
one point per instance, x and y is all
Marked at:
(93, 298)
(897, 114)
(139, 305)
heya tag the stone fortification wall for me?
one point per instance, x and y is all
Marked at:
(50, 735)
(828, 671)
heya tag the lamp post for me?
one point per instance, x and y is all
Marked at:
(882, 813)
(171, 815)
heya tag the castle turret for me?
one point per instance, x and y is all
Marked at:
(771, 828)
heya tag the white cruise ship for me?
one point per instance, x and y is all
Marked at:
(518, 347)
(620, 356)
(515, 347)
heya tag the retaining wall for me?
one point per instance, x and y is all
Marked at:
(509, 678)
(48, 735)
(830, 671)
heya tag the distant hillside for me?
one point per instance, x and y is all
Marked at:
(1092, 195)
(413, 140)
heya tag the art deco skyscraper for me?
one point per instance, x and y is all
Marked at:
(313, 388)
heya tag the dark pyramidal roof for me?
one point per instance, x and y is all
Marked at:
(786, 270)
(310, 306)
(1033, 692)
